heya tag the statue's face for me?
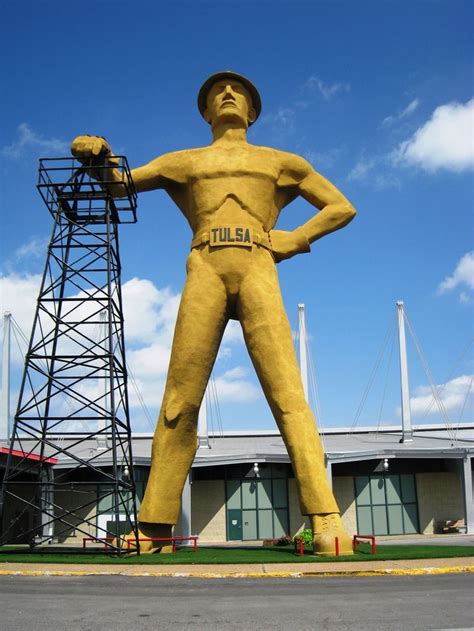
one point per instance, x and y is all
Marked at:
(229, 101)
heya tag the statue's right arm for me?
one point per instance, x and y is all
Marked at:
(162, 172)
(165, 171)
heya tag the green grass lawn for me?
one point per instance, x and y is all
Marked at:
(185, 556)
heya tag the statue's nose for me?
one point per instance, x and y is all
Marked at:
(228, 92)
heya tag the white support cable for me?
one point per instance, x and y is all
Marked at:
(463, 408)
(42, 362)
(434, 389)
(213, 407)
(140, 398)
(212, 382)
(303, 350)
(450, 374)
(387, 374)
(465, 400)
(372, 376)
(20, 331)
(308, 374)
(314, 393)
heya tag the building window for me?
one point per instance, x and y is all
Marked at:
(105, 505)
(386, 504)
(257, 505)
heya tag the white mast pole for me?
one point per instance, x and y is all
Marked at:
(203, 433)
(5, 399)
(303, 356)
(407, 432)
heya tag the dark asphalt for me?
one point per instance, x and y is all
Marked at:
(117, 602)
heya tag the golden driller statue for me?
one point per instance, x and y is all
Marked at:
(231, 193)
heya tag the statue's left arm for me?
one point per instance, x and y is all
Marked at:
(298, 178)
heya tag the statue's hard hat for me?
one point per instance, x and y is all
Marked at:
(234, 76)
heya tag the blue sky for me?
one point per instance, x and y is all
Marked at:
(376, 95)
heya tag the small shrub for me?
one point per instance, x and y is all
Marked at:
(306, 535)
(285, 540)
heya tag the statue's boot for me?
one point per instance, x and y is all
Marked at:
(148, 531)
(325, 530)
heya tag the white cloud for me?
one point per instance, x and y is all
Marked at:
(34, 248)
(322, 160)
(29, 139)
(463, 275)
(233, 333)
(362, 169)
(445, 141)
(452, 394)
(374, 170)
(233, 386)
(282, 121)
(327, 90)
(150, 314)
(409, 109)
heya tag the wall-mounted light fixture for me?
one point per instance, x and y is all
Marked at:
(256, 470)
(385, 464)
(126, 474)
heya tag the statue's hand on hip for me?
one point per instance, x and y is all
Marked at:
(286, 243)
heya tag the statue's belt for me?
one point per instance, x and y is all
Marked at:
(221, 235)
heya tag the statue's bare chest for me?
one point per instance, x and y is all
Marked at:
(216, 174)
(245, 165)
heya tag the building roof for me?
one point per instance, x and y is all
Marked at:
(340, 444)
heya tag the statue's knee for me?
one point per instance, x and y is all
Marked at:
(293, 412)
(178, 408)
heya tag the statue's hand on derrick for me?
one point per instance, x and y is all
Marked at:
(85, 148)
(95, 151)
(286, 244)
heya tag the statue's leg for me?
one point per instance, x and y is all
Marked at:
(201, 321)
(268, 336)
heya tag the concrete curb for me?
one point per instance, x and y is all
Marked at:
(212, 574)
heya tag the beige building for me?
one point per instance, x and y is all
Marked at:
(242, 488)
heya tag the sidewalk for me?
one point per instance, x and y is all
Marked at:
(364, 568)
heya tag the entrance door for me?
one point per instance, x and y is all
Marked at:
(234, 524)
(249, 532)
(257, 507)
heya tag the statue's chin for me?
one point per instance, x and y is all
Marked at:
(230, 116)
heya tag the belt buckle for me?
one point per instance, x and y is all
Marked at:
(231, 235)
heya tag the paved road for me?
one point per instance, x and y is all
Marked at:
(116, 602)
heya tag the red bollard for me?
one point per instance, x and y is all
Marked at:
(337, 545)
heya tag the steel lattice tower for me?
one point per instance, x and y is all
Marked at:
(72, 427)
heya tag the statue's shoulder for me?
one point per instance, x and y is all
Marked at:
(285, 159)
(175, 157)
(176, 165)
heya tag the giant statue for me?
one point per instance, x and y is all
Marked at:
(232, 192)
